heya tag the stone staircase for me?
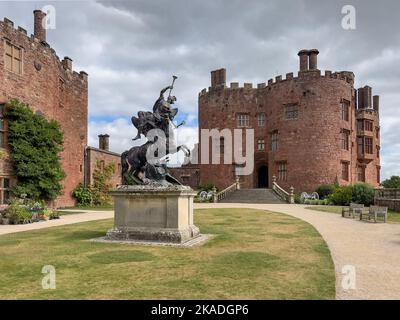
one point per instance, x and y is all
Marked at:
(252, 196)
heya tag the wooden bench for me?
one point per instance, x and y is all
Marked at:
(375, 212)
(352, 211)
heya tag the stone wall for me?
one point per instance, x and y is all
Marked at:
(105, 158)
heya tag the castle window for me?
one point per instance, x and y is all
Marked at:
(368, 146)
(377, 132)
(345, 105)
(5, 193)
(292, 112)
(222, 145)
(345, 139)
(3, 132)
(345, 170)
(361, 173)
(282, 171)
(360, 146)
(13, 58)
(261, 144)
(368, 125)
(378, 151)
(360, 125)
(274, 140)
(261, 119)
(243, 120)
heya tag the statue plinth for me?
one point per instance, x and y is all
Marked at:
(153, 213)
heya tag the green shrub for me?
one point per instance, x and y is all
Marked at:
(82, 195)
(17, 213)
(207, 187)
(363, 193)
(342, 196)
(297, 198)
(325, 190)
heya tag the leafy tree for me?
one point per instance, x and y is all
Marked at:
(393, 182)
(35, 144)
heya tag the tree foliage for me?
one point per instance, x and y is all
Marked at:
(35, 144)
(393, 182)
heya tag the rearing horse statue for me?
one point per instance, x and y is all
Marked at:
(147, 164)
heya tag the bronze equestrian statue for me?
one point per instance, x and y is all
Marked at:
(157, 126)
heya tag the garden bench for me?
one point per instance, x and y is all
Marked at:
(353, 210)
(376, 212)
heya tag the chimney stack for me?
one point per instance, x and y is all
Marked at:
(39, 29)
(376, 103)
(360, 98)
(218, 77)
(367, 97)
(104, 142)
(303, 54)
(313, 59)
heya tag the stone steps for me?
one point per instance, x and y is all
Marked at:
(253, 196)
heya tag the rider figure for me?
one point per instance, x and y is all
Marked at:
(162, 114)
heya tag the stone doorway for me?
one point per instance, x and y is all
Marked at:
(262, 177)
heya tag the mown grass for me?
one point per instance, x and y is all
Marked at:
(254, 255)
(393, 216)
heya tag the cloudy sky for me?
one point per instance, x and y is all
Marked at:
(132, 48)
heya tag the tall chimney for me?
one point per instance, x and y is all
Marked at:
(313, 59)
(360, 98)
(376, 103)
(367, 97)
(39, 30)
(303, 54)
(218, 77)
(104, 142)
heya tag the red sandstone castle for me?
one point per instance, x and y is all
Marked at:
(309, 130)
(31, 72)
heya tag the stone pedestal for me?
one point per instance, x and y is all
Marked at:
(148, 213)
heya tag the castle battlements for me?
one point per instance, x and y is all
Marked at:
(308, 71)
(37, 39)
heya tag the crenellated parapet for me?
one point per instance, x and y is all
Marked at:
(37, 41)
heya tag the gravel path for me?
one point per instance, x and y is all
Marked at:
(372, 248)
(65, 219)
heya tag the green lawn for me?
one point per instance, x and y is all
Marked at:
(255, 255)
(392, 216)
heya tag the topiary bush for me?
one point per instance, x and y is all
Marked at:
(325, 190)
(363, 193)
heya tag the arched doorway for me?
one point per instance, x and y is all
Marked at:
(262, 177)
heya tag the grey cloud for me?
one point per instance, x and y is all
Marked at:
(131, 48)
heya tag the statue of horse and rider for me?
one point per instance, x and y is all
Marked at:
(147, 164)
